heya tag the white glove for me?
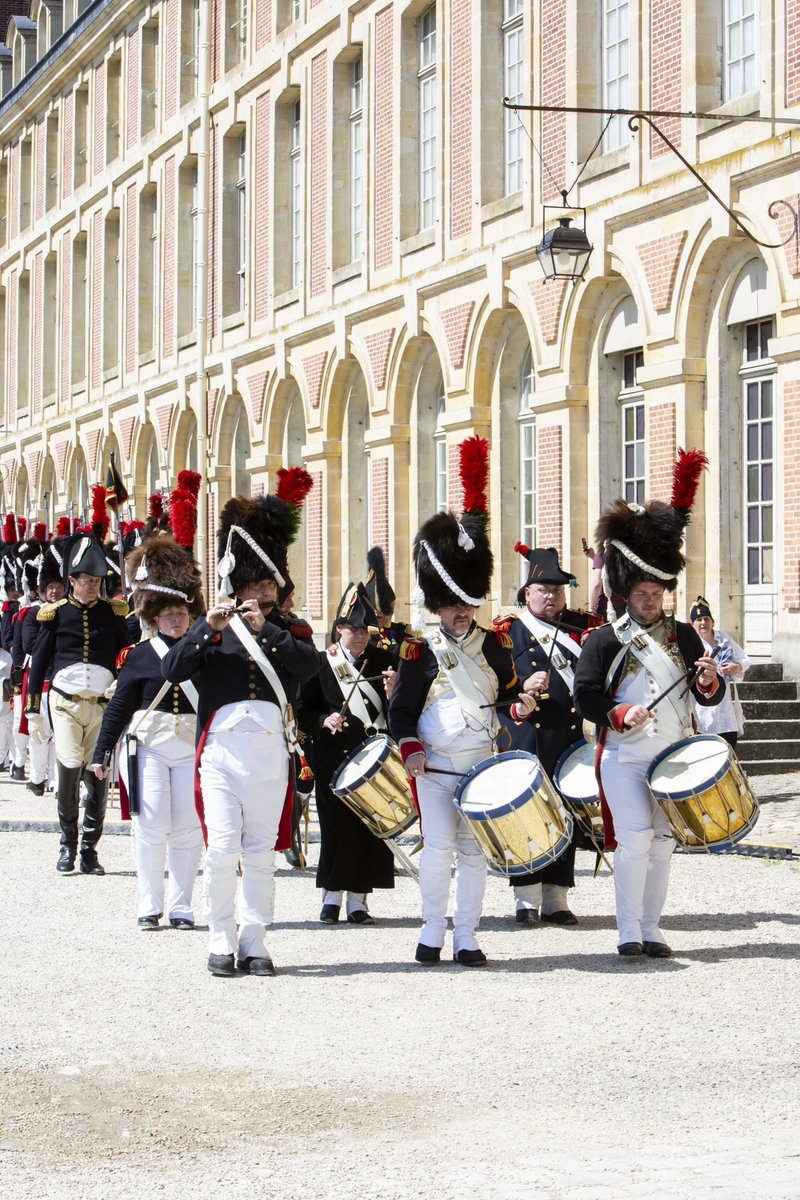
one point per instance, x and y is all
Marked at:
(36, 728)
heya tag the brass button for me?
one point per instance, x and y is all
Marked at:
(537, 725)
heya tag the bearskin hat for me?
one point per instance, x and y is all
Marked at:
(161, 573)
(252, 542)
(377, 586)
(453, 560)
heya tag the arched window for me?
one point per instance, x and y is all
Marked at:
(240, 452)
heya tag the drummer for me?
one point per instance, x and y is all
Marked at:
(443, 718)
(546, 638)
(624, 668)
(338, 714)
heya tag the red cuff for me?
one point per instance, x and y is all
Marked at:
(617, 717)
(711, 690)
(516, 718)
(409, 746)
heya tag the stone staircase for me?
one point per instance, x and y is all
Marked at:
(770, 744)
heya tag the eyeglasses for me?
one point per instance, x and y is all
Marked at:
(544, 589)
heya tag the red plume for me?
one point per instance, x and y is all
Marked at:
(126, 527)
(685, 482)
(183, 517)
(100, 518)
(10, 528)
(40, 531)
(63, 526)
(189, 481)
(294, 485)
(474, 470)
(155, 505)
(22, 525)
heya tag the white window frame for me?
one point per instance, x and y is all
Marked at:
(440, 448)
(633, 430)
(356, 158)
(428, 116)
(740, 48)
(296, 199)
(527, 458)
(759, 378)
(616, 60)
(241, 220)
(513, 87)
(194, 214)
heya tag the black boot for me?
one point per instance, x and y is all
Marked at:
(90, 864)
(66, 859)
(67, 799)
(94, 813)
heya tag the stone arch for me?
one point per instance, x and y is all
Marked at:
(184, 443)
(147, 469)
(22, 500)
(232, 448)
(48, 489)
(284, 429)
(77, 485)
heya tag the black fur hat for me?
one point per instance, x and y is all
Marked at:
(252, 542)
(161, 573)
(651, 533)
(377, 586)
(465, 562)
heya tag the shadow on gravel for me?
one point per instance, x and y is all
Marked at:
(750, 920)
(602, 964)
(711, 954)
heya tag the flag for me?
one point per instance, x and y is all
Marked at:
(115, 488)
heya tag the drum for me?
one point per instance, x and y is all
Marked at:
(576, 780)
(703, 793)
(372, 782)
(526, 830)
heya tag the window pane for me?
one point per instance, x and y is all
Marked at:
(752, 401)
(753, 524)
(753, 573)
(766, 481)
(752, 441)
(752, 483)
(766, 565)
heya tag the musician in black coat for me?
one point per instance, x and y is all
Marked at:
(351, 858)
(77, 646)
(247, 664)
(546, 669)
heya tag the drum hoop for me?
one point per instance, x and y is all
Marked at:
(707, 783)
(372, 769)
(484, 765)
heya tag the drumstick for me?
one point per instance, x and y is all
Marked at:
(438, 771)
(689, 679)
(358, 679)
(508, 703)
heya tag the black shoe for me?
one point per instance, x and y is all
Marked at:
(562, 917)
(3, 768)
(90, 864)
(221, 964)
(181, 922)
(18, 773)
(656, 949)
(630, 949)
(66, 859)
(427, 955)
(256, 965)
(329, 914)
(150, 922)
(527, 916)
(470, 958)
(360, 916)
(36, 788)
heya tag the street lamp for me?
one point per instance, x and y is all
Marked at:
(564, 251)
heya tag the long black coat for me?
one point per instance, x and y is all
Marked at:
(351, 857)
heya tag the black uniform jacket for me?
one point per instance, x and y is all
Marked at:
(72, 632)
(418, 669)
(596, 703)
(321, 696)
(139, 682)
(30, 629)
(225, 671)
(10, 610)
(24, 619)
(555, 725)
(390, 637)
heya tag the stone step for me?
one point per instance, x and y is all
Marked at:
(771, 766)
(760, 672)
(771, 730)
(772, 710)
(784, 750)
(750, 690)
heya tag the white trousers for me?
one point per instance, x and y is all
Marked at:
(6, 722)
(167, 828)
(446, 837)
(644, 849)
(43, 754)
(20, 739)
(244, 778)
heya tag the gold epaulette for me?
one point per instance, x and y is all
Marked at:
(503, 624)
(119, 608)
(48, 611)
(503, 638)
(410, 648)
(123, 654)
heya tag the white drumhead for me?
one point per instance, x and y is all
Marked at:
(361, 762)
(576, 779)
(500, 784)
(691, 765)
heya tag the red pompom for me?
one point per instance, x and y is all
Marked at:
(155, 505)
(474, 466)
(294, 485)
(189, 481)
(63, 526)
(521, 548)
(40, 531)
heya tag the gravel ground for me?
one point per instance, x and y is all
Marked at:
(560, 1072)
